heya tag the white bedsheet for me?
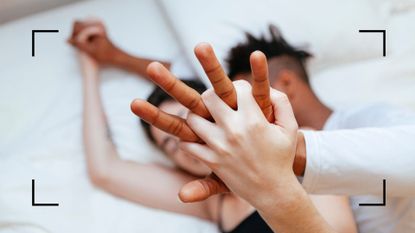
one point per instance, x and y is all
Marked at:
(40, 123)
(40, 98)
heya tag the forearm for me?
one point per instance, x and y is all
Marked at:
(133, 64)
(99, 148)
(300, 159)
(355, 162)
(288, 208)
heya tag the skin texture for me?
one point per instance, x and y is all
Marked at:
(96, 43)
(123, 178)
(189, 98)
(203, 188)
(209, 155)
(258, 155)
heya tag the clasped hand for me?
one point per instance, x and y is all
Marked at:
(242, 148)
(250, 146)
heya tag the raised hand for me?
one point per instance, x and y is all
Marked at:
(242, 147)
(260, 84)
(223, 87)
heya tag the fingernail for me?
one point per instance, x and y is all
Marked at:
(178, 198)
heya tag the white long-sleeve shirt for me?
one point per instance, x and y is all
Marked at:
(355, 162)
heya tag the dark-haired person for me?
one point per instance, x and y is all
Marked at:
(155, 185)
(288, 73)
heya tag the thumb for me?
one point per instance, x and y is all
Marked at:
(202, 189)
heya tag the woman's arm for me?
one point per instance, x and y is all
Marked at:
(151, 185)
(336, 211)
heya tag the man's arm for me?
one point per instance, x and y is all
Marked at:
(97, 44)
(355, 162)
(138, 65)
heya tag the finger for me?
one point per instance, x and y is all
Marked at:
(168, 123)
(85, 35)
(83, 40)
(209, 132)
(247, 106)
(78, 26)
(260, 84)
(283, 112)
(220, 81)
(202, 189)
(177, 89)
(202, 153)
(217, 107)
(82, 46)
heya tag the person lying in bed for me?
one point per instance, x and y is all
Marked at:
(155, 185)
(288, 74)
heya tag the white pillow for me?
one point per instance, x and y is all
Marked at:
(388, 79)
(330, 28)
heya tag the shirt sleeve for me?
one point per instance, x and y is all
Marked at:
(355, 162)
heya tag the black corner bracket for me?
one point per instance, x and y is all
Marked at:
(33, 37)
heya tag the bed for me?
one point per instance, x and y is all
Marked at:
(40, 97)
(41, 123)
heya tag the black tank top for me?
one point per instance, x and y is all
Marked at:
(252, 224)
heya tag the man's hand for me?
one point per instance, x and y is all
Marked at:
(188, 97)
(95, 41)
(201, 189)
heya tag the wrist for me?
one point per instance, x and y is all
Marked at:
(300, 159)
(117, 57)
(281, 198)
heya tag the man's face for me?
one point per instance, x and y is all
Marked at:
(170, 144)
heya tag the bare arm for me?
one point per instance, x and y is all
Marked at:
(97, 44)
(336, 211)
(138, 65)
(151, 185)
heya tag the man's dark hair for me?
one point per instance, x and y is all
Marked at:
(276, 46)
(159, 96)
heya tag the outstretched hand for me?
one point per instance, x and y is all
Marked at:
(203, 188)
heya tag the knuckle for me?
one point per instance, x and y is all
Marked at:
(213, 164)
(176, 127)
(255, 127)
(226, 93)
(222, 151)
(214, 71)
(235, 135)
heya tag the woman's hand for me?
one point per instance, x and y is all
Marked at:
(254, 158)
(201, 189)
(243, 148)
(89, 65)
